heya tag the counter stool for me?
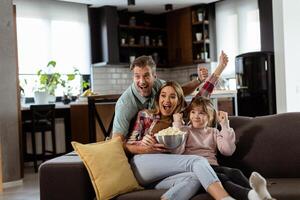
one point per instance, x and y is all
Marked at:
(42, 120)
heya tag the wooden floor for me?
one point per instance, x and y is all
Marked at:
(1, 186)
(29, 190)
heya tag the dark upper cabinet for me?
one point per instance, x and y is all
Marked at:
(142, 34)
(179, 29)
(104, 34)
(119, 36)
(191, 35)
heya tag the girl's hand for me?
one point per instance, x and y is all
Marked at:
(202, 73)
(148, 140)
(223, 60)
(223, 119)
(177, 117)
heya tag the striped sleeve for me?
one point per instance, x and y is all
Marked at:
(208, 86)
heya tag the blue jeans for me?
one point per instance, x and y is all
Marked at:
(150, 168)
(181, 186)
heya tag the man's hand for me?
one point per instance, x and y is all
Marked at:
(190, 87)
(202, 73)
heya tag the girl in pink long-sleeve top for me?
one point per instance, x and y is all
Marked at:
(204, 140)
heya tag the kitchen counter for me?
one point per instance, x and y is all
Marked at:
(58, 105)
(220, 94)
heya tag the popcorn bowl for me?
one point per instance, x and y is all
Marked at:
(170, 137)
(171, 141)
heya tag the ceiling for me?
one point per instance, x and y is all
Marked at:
(149, 6)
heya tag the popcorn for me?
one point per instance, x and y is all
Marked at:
(170, 131)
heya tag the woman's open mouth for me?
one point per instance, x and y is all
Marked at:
(167, 107)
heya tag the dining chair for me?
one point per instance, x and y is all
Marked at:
(42, 121)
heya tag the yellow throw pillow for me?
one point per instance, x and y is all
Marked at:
(108, 168)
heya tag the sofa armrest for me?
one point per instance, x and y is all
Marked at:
(65, 177)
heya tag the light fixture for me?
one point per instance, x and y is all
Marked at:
(168, 7)
(131, 2)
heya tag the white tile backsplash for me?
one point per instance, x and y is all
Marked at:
(115, 79)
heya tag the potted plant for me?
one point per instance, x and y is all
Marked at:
(48, 83)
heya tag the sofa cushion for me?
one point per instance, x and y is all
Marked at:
(284, 188)
(266, 144)
(107, 164)
(65, 177)
(155, 194)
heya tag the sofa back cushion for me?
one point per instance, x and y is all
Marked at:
(268, 144)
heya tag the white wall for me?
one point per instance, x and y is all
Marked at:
(286, 19)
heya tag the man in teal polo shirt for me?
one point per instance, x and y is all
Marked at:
(141, 93)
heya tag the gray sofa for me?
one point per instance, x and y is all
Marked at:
(267, 144)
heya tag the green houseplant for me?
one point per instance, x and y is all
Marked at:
(49, 81)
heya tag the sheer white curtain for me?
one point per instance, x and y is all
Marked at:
(237, 29)
(52, 30)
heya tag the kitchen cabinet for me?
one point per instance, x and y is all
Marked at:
(191, 35)
(227, 105)
(200, 34)
(118, 37)
(142, 34)
(80, 121)
(179, 29)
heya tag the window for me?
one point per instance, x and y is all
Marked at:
(238, 30)
(51, 30)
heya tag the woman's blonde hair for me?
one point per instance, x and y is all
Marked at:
(207, 107)
(179, 92)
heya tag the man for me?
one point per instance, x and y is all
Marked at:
(141, 93)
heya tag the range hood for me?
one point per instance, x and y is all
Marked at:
(104, 35)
